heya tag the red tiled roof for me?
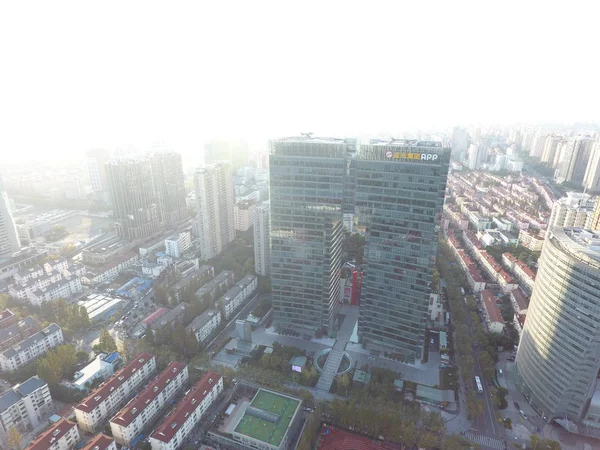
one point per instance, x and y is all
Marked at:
(53, 434)
(506, 277)
(509, 256)
(173, 422)
(526, 270)
(492, 309)
(105, 389)
(155, 316)
(135, 407)
(7, 313)
(477, 278)
(520, 298)
(100, 442)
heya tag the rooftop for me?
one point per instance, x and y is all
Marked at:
(155, 316)
(491, 307)
(100, 442)
(520, 298)
(170, 316)
(105, 389)
(90, 371)
(202, 320)
(192, 400)
(580, 243)
(31, 340)
(268, 417)
(46, 440)
(7, 313)
(135, 407)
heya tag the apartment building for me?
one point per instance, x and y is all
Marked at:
(63, 435)
(103, 402)
(238, 295)
(25, 406)
(493, 318)
(474, 277)
(177, 426)
(101, 442)
(194, 274)
(31, 348)
(143, 409)
(16, 332)
(215, 287)
(531, 241)
(178, 244)
(7, 318)
(243, 215)
(205, 324)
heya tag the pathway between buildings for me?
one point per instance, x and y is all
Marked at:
(335, 356)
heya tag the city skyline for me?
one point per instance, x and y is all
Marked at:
(128, 88)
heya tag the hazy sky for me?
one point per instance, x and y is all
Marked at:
(82, 74)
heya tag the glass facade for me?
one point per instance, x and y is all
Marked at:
(558, 358)
(398, 203)
(307, 181)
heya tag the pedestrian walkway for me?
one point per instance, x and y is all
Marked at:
(335, 356)
(485, 441)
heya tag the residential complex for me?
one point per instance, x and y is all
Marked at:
(18, 331)
(177, 426)
(95, 410)
(135, 205)
(178, 244)
(262, 240)
(31, 348)
(145, 407)
(238, 295)
(217, 286)
(169, 189)
(205, 324)
(558, 359)
(101, 442)
(25, 406)
(63, 435)
(574, 210)
(214, 198)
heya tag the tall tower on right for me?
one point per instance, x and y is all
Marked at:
(9, 239)
(559, 353)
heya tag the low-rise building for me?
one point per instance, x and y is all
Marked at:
(17, 332)
(105, 250)
(170, 318)
(20, 260)
(100, 307)
(63, 435)
(177, 245)
(103, 366)
(519, 301)
(493, 317)
(178, 425)
(101, 442)
(525, 275)
(145, 407)
(531, 241)
(217, 285)
(25, 406)
(238, 295)
(243, 213)
(7, 318)
(103, 402)
(63, 288)
(205, 324)
(203, 273)
(102, 273)
(31, 348)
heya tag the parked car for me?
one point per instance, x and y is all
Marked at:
(510, 358)
(517, 406)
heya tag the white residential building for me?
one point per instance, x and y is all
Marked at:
(109, 271)
(262, 240)
(102, 403)
(178, 244)
(214, 197)
(64, 288)
(25, 406)
(243, 213)
(531, 241)
(103, 366)
(9, 238)
(238, 295)
(31, 348)
(178, 425)
(63, 435)
(101, 442)
(145, 407)
(205, 324)
(574, 210)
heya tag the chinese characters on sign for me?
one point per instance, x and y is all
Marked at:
(417, 156)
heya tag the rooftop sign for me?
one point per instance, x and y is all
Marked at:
(413, 156)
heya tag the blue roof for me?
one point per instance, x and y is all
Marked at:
(137, 439)
(111, 357)
(8, 399)
(30, 385)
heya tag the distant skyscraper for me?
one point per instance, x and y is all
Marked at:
(262, 240)
(307, 184)
(550, 144)
(9, 238)
(167, 174)
(399, 196)
(214, 197)
(477, 156)
(559, 357)
(574, 159)
(236, 152)
(132, 195)
(596, 217)
(96, 160)
(460, 142)
(591, 179)
(574, 210)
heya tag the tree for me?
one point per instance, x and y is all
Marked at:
(14, 438)
(82, 356)
(160, 295)
(536, 442)
(106, 343)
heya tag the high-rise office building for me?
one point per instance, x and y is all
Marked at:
(307, 185)
(167, 175)
(9, 238)
(460, 142)
(399, 196)
(572, 159)
(394, 192)
(262, 240)
(214, 198)
(477, 156)
(558, 358)
(236, 152)
(96, 160)
(132, 195)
